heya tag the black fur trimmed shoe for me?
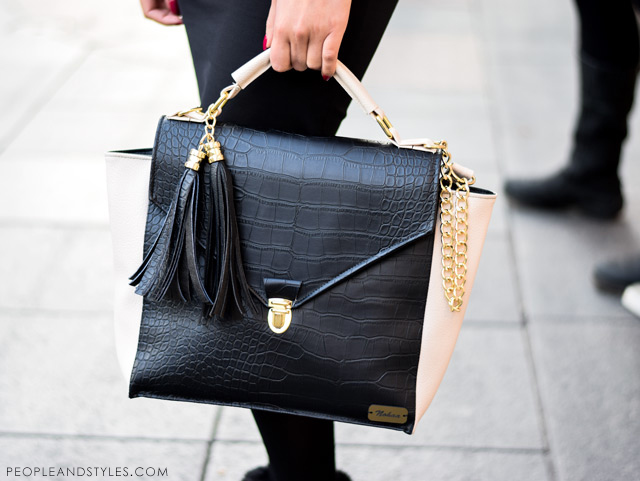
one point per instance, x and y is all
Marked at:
(257, 474)
(342, 476)
(262, 474)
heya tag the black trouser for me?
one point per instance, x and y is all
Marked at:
(224, 35)
(609, 32)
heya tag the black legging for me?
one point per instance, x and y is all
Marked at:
(609, 32)
(223, 35)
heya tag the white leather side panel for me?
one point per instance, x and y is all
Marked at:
(128, 187)
(441, 326)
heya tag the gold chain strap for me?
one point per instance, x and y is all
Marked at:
(208, 147)
(454, 226)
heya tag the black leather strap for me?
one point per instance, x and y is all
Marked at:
(282, 288)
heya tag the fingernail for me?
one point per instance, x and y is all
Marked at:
(173, 6)
(264, 43)
(325, 78)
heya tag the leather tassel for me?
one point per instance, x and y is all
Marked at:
(170, 268)
(225, 272)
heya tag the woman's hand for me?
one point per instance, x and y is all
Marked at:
(306, 34)
(160, 11)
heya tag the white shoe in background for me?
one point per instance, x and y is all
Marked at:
(631, 298)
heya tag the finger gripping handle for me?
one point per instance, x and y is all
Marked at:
(349, 82)
(258, 65)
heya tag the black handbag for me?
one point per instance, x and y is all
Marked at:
(298, 274)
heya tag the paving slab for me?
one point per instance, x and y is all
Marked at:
(26, 257)
(72, 135)
(495, 295)
(71, 189)
(588, 374)
(535, 106)
(96, 458)
(441, 16)
(229, 461)
(37, 64)
(411, 464)
(122, 22)
(448, 62)
(81, 274)
(514, 26)
(237, 424)
(57, 268)
(436, 44)
(556, 255)
(131, 79)
(113, 100)
(59, 375)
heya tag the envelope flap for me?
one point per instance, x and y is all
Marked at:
(310, 209)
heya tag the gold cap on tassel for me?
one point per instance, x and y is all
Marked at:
(214, 152)
(195, 157)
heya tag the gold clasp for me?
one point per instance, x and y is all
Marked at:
(279, 317)
(218, 104)
(385, 124)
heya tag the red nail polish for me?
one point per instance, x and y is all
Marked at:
(264, 43)
(325, 78)
(173, 6)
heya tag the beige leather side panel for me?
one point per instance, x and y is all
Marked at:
(441, 326)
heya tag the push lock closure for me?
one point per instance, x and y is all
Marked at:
(279, 317)
(281, 294)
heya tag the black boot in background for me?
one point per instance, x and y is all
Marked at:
(590, 182)
(616, 275)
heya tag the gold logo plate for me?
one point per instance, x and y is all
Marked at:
(388, 414)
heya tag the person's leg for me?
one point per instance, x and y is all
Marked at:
(609, 33)
(299, 448)
(609, 53)
(223, 35)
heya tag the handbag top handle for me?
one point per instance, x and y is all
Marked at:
(349, 82)
(259, 64)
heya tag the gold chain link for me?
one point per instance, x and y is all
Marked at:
(208, 144)
(454, 227)
(208, 148)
